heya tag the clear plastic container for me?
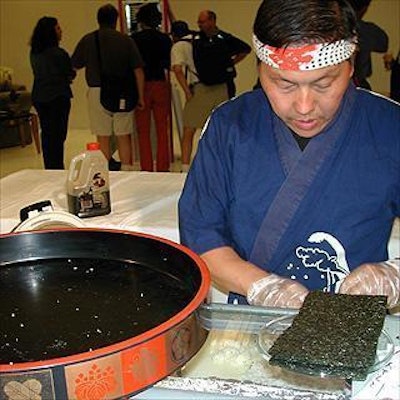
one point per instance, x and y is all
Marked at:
(231, 361)
(88, 184)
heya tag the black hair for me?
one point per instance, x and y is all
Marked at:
(281, 23)
(180, 29)
(359, 4)
(149, 15)
(107, 16)
(44, 35)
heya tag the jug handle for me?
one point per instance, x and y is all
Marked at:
(73, 170)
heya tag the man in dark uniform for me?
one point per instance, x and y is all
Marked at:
(234, 48)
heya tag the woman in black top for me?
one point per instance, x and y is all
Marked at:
(51, 93)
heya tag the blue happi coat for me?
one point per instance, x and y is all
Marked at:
(311, 215)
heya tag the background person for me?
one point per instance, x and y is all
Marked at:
(296, 186)
(393, 65)
(119, 57)
(196, 110)
(182, 57)
(233, 48)
(155, 48)
(371, 38)
(51, 92)
(215, 52)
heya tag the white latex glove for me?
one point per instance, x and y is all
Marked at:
(276, 291)
(375, 279)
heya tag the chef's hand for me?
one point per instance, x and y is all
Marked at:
(375, 279)
(276, 291)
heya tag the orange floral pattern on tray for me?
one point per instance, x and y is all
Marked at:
(95, 384)
(95, 380)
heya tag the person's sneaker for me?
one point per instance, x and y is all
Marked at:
(114, 165)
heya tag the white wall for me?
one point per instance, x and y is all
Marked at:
(77, 17)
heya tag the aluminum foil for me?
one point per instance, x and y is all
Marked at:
(233, 362)
(245, 389)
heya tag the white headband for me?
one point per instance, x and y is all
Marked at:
(304, 58)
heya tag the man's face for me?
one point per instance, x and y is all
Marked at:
(205, 23)
(306, 101)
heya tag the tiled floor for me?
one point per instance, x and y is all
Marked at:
(13, 159)
(16, 158)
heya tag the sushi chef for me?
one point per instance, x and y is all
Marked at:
(296, 185)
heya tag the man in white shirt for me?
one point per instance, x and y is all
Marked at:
(200, 99)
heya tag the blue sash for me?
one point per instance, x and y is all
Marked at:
(301, 169)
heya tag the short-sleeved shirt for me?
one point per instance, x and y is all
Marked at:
(205, 98)
(119, 53)
(227, 43)
(155, 49)
(182, 54)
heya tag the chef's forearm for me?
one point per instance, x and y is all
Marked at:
(230, 272)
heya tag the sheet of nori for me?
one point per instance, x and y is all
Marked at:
(335, 334)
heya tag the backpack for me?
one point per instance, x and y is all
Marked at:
(212, 59)
(117, 93)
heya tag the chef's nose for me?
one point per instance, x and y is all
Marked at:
(304, 101)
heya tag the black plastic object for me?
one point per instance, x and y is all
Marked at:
(35, 208)
(67, 292)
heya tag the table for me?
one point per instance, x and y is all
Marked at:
(141, 201)
(33, 120)
(145, 202)
(19, 121)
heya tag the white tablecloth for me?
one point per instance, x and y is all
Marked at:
(141, 201)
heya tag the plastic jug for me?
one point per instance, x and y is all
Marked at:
(88, 184)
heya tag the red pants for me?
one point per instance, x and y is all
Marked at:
(157, 100)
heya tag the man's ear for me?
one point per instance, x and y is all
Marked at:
(352, 62)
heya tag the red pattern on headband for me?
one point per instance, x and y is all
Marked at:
(292, 57)
(307, 57)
